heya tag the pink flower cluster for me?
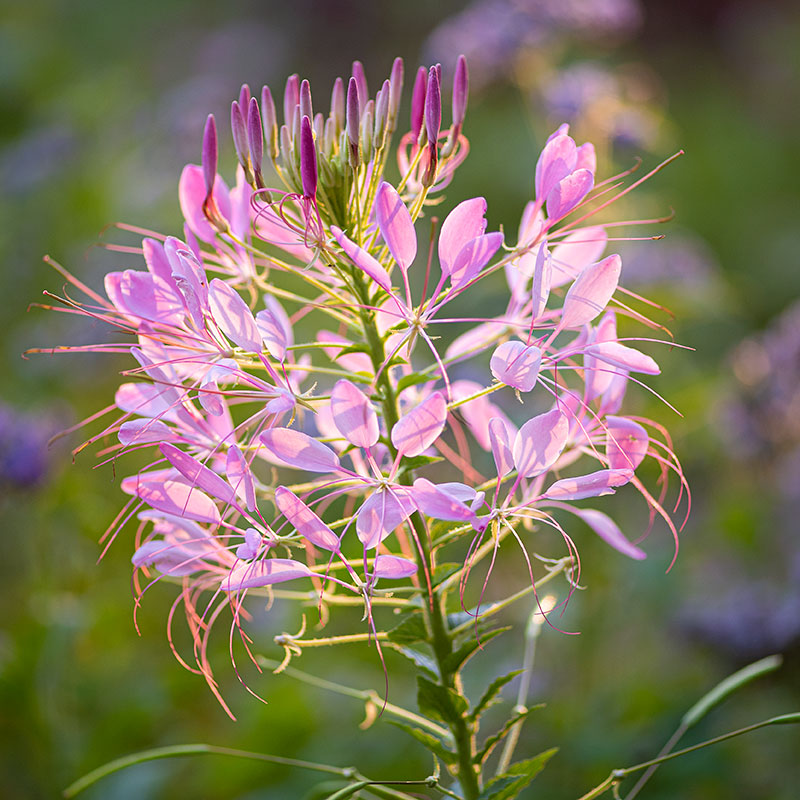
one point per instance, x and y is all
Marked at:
(291, 382)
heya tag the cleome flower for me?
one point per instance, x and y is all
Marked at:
(276, 376)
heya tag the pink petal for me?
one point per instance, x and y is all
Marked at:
(609, 532)
(354, 415)
(189, 277)
(271, 228)
(198, 474)
(305, 521)
(568, 192)
(478, 411)
(156, 259)
(558, 159)
(604, 481)
(393, 567)
(192, 193)
(143, 431)
(626, 443)
(587, 159)
(379, 515)
(539, 443)
(516, 364)
(240, 477)
(175, 496)
(363, 260)
(463, 223)
(473, 257)
(264, 573)
(591, 292)
(148, 399)
(272, 334)
(396, 225)
(501, 446)
(474, 340)
(597, 375)
(575, 252)
(531, 224)
(414, 433)
(144, 295)
(542, 278)
(299, 450)
(439, 503)
(233, 316)
(628, 358)
(354, 362)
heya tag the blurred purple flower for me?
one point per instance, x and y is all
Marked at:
(23, 447)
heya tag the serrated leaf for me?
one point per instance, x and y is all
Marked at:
(411, 380)
(459, 657)
(508, 785)
(420, 659)
(411, 629)
(488, 697)
(440, 702)
(458, 618)
(417, 462)
(429, 741)
(493, 740)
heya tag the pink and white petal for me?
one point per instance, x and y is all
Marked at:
(575, 252)
(143, 431)
(609, 532)
(156, 259)
(462, 224)
(265, 572)
(393, 567)
(626, 443)
(233, 316)
(568, 193)
(628, 358)
(531, 224)
(591, 292)
(354, 415)
(240, 477)
(298, 450)
(478, 411)
(516, 364)
(587, 158)
(198, 474)
(442, 502)
(474, 340)
(396, 225)
(192, 194)
(272, 334)
(473, 257)
(542, 279)
(501, 446)
(595, 484)
(415, 432)
(363, 260)
(305, 521)
(148, 400)
(540, 442)
(557, 160)
(177, 497)
(378, 516)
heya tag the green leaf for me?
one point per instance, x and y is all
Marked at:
(417, 462)
(443, 571)
(440, 702)
(508, 785)
(726, 687)
(429, 741)
(411, 629)
(420, 659)
(459, 657)
(495, 738)
(411, 380)
(491, 693)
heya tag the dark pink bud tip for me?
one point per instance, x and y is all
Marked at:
(308, 159)
(433, 106)
(418, 101)
(209, 157)
(306, 109)
(361, 82)
(353, 115)
(244, 97)
(460, 91)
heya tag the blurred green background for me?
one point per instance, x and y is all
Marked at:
(100, 107)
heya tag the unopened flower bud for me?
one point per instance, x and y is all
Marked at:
(365, 131)
(306, 109)
(255, 138)
(270, 120)
(239, 130)
(418, 102)
(395, 92)
(361, 83)
(328, 137)
(460, 92)
(338, 104)
(210, 154)
(433, 107)
(308, 159)
(381, 113)
(244, 97)
(353, 120)
(291, 99)
(319, 127)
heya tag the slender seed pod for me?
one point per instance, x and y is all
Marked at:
(433, 106)
(308, 159)
(353, 121)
